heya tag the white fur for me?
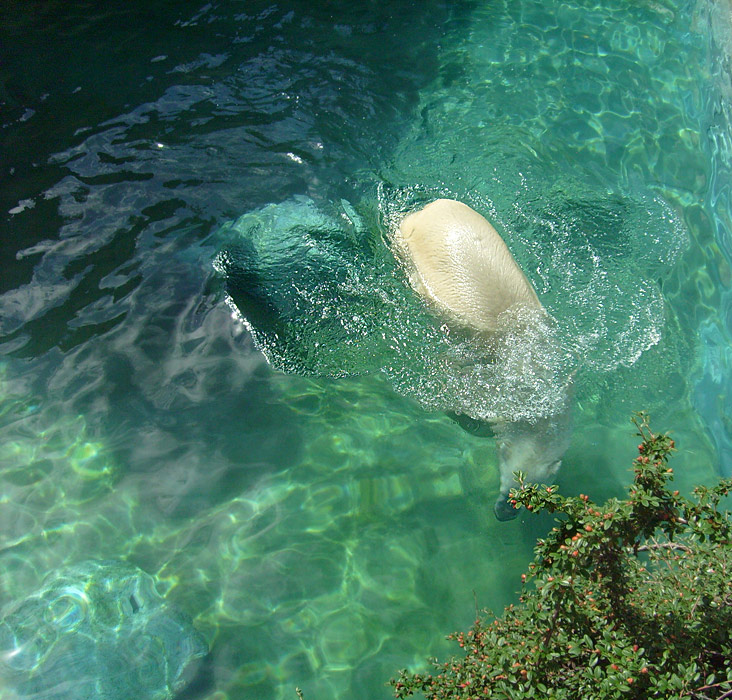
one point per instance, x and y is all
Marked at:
(457, 260)
(459, 263)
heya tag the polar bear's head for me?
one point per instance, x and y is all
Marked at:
(534, 448)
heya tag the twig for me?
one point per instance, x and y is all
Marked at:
(725, 695)
(664, 545)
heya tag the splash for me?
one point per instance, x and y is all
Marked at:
(322, 294)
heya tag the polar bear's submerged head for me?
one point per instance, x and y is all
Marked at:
(534, 448)
(462, 267)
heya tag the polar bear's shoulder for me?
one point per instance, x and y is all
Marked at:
(459, 262)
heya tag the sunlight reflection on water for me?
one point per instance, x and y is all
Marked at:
(325, 533)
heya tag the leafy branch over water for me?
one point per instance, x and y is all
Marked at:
(630, 599)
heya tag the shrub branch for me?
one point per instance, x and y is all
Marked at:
(629, 599)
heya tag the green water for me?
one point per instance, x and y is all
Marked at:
(323, 532)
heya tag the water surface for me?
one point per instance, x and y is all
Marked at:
(324, 531)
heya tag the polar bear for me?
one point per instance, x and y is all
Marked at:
(462, 268)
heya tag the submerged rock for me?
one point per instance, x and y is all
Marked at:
(97, 631)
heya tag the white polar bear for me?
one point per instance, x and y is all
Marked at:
(461, 266)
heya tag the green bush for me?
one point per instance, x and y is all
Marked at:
(631, 599)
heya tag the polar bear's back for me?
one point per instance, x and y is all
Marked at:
(457, 260)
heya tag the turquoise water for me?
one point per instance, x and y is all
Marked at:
(324, 531)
